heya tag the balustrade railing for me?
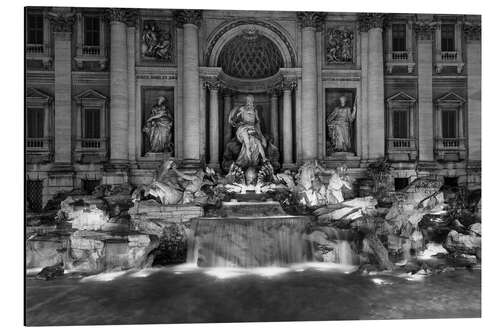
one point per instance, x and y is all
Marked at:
(449, 55)
(401, 144)
(399, 55)
(34, 48)
(37, 144)
(91, 50)
(450, 143)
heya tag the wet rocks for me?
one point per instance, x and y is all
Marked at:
(462, 243)
(46, 250)
(51, 272)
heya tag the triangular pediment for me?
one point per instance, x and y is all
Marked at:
(401, 97)
(90, 94)
(450, 97)
(33, 94)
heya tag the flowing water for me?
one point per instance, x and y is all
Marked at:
(184, 294)
(250, 242)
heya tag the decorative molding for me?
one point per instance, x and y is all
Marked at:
(90, 95)
(185, 16)
(472, 31)
(155, 73)
(367, 21)
(62, 21)
(425, 29)
(311, 19)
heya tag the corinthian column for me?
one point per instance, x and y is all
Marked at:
(376, 120)
(424, 31)
(190, 21)
(214, 87)
(62, 22)
(118, 86)
(131, 26)
(472, 32)
(309, 21)
(287, 87)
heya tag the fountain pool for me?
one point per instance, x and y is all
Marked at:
(188, 294)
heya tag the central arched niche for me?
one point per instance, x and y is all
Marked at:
(250, 55)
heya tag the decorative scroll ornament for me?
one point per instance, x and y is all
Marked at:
(339, 46)
(213, 84)
(62, 21)
(311, 19)
(369, 21)
(157, 42)
(472, 31)
(424, 29)
(188, 17)
(117, 15)
(288, 84)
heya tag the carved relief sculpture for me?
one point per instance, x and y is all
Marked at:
(339, 46)
(339, 123)
(158, 127)
(157, 42)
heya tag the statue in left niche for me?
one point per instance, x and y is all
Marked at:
(156, 42)
(158, 128)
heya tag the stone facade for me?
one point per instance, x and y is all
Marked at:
(410, 76)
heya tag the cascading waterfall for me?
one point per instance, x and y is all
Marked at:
(250, 242)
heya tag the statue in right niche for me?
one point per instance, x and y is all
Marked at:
(339, 123)
(158, 128)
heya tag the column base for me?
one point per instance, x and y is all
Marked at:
(191, 164)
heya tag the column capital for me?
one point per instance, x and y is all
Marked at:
(367, 21)
(425, 29)
(128, 16)
(288, 84)
(311, 19)
(185, 16)
(62, 21)
(472, 31)
(212, 84)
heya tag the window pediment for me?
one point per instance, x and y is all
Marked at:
(91, 97)
(450, 99)
(401, 98)
(37, 97)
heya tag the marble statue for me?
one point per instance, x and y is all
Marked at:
(340, 126)
(158, 127)
(171, 186)
(247, 123)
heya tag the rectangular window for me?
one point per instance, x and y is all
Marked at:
(401, 124)
(399, 37)
(35, 121)
(35, 29)
(34, 195)
(449, 124)
(91, 123)
(447, 37)
(92, 31)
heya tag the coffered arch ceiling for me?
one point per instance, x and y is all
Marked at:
(270, 39)
(250, 55)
